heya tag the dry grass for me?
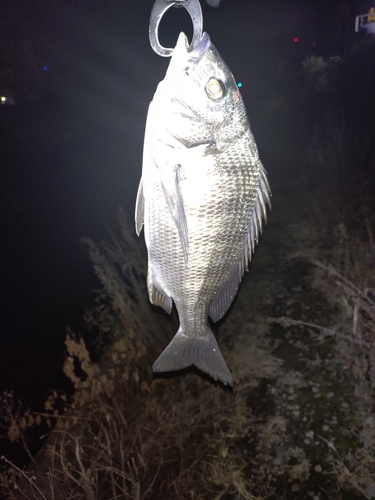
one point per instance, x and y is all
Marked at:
(127, 435)
(355, 347)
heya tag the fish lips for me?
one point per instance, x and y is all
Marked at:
(197, 52)
(194, 53)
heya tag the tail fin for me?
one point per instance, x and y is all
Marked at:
(203, 352)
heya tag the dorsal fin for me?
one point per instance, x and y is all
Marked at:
(220, 305)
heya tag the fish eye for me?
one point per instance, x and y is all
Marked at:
(215, 89)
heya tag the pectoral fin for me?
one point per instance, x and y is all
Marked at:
(175, 202)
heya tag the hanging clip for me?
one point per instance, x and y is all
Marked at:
(160, 8)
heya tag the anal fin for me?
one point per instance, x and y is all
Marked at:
(157, 295)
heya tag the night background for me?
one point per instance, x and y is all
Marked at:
(78, 77)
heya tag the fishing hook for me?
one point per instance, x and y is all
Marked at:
(159, 8)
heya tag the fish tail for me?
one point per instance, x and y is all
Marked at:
(203, 352)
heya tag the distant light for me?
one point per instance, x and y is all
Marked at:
(45, 68)
(295, 39)
(3, 98)
(239, 85)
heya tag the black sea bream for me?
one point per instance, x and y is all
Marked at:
(202, 197)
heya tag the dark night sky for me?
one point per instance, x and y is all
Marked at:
(71, 156)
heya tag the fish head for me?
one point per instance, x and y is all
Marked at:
(200, 102)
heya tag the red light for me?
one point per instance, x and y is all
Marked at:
(295, 39)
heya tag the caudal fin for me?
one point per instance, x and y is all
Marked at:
(204, 353)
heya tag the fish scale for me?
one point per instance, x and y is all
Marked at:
(201, 199)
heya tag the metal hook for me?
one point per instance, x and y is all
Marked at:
(159, 8)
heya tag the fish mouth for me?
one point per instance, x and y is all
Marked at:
(201, 48)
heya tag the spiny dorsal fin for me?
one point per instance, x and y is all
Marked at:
(220, 305)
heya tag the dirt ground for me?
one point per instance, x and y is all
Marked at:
(309, 421)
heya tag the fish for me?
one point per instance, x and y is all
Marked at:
(202, 199)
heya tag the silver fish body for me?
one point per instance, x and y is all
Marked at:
(202, 198)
